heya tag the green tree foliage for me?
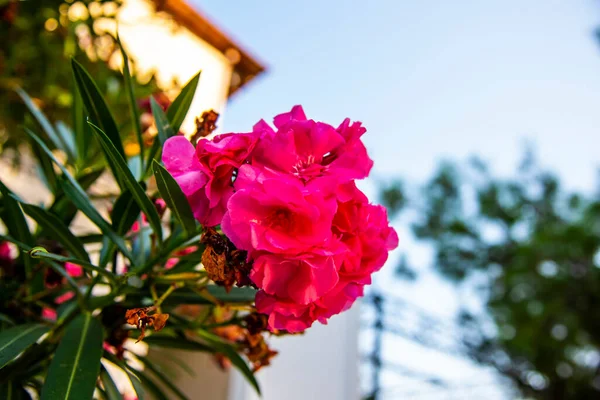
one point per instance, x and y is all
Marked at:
(38, 40)
(70, 298)
(536, 246)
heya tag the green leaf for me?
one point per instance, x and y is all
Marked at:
(125, 212)
(53, 225)
(230, 352)
(98, 111)
(75, 367)
(129, 181)
(235, 295)
(68, 138)
(112, 392)
(42, 120)
(153, 154)
(135, 115)
(17, 339)
(40, 252)
(174, 197)
(156, 370)
(180, 106)
(16, 224)
(131, 373)
(12, 391)
(46, 167)
(150, 385)
(62, 205)
(163, 125)
(176, 343)
(81, 128)
(78, 196)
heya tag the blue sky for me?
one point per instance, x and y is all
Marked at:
(430, 80)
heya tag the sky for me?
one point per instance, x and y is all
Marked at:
(430, 80)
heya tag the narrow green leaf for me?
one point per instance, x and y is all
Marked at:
(98, 111)
(12, 391)
(75, 367)
(150, 385)
(156, 370)
(129, 181)
(16, 224)
(131, 373)
(163, 125)
(135, 115)
(125, 212)
(53, 225)
(46, 168)
(80, 127)
(6, 319)
(42, 120)
(174, 197)
(112, 392)
(179, 108)
(68, 138)
(230, 352)
(153, 154)
(17, 339)
(40, 252)
(63, 206)
(170, 342)
(78, 196)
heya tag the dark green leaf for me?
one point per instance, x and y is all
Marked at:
(78, 196)
(230, 352)
(176, 343)
(98, 111)
(112, 392)
(163, 125)
(54, 227)
(174, 197)
(156, 370)
(75, 367)
(68, 138)
(12, 391)
(40, 252)
(179, 108)
(81, 128)
(131, 373)
(124, 214)
(129, 181)
(42, 120)
(62, 205)
(17, 339)
(46, 167)
(151, 386)
(135, 115)
(16, 224)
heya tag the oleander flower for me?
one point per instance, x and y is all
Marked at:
(276, 215)
(206, 173)
(302, 278)
(364, 229)
(312, 151)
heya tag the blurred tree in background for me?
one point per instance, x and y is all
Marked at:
(531, 249)
(38, 40)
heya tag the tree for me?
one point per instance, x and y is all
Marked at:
(39, 39)
(536, 246)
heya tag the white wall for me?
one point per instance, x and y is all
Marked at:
(322, 364)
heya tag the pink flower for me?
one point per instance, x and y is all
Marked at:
(5, 252)
(64, 297)
(292, 317)
(312, 151)
(206, 174)
(73, 270)
(49, 314)
(302, 279)
(365, 230)
(278, 216)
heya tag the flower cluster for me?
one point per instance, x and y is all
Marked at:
(287, 196)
